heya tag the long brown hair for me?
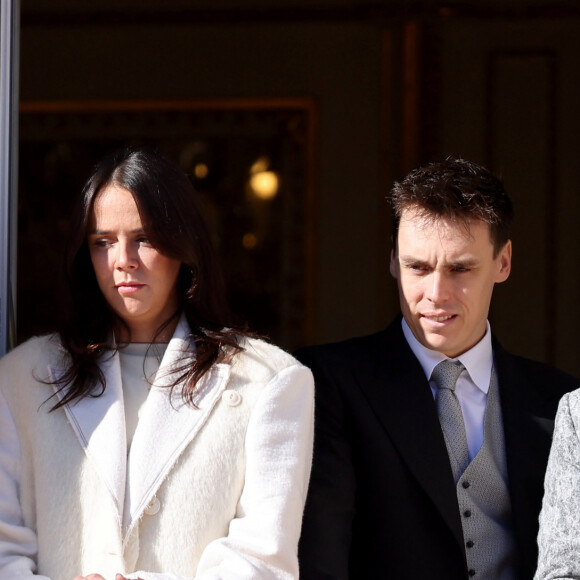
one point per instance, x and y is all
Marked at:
(174, 223)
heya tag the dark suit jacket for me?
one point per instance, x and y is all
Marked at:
(382, 501)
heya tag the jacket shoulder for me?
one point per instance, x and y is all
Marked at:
(573, 401)
(356, 351)
(26, 369)
(532, 387)
(262, 360)
(37, 351)
(536, 372)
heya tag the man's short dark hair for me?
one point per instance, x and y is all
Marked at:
(455, 189)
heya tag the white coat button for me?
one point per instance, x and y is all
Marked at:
(232, 398)
(153, 507)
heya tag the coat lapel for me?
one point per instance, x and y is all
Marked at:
(399, 394)
(99, 424)
(528, 423)
(165, 428)
(167, 425)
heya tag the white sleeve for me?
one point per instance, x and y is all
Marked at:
(262, 541)
(559, 536)
(18, 545)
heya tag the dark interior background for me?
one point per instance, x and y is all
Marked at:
(336, 97)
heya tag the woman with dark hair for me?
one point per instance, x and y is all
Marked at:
(149, 438)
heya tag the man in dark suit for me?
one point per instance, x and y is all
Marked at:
(417, 475)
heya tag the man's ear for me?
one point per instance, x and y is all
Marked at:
(394, 265)
(505, 262)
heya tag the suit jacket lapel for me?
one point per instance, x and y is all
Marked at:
(99, 424)
(399, 393)
(167, 425)
(527, 433)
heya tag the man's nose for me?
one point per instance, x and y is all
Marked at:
(438, 287)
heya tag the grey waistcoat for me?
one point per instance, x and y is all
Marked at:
(484, 502)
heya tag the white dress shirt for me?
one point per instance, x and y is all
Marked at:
(472, 384)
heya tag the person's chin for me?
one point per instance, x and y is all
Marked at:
(437, 340)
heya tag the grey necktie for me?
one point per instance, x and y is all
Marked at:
(445, 375)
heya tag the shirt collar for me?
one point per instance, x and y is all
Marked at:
(478, 360)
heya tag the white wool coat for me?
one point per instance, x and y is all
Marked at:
(213, 492)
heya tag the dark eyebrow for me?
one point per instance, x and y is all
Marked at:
(411, 260)
(468, 263)
(107, 232)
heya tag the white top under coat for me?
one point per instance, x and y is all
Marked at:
(139, 364)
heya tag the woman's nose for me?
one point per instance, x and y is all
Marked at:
(126, 256)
